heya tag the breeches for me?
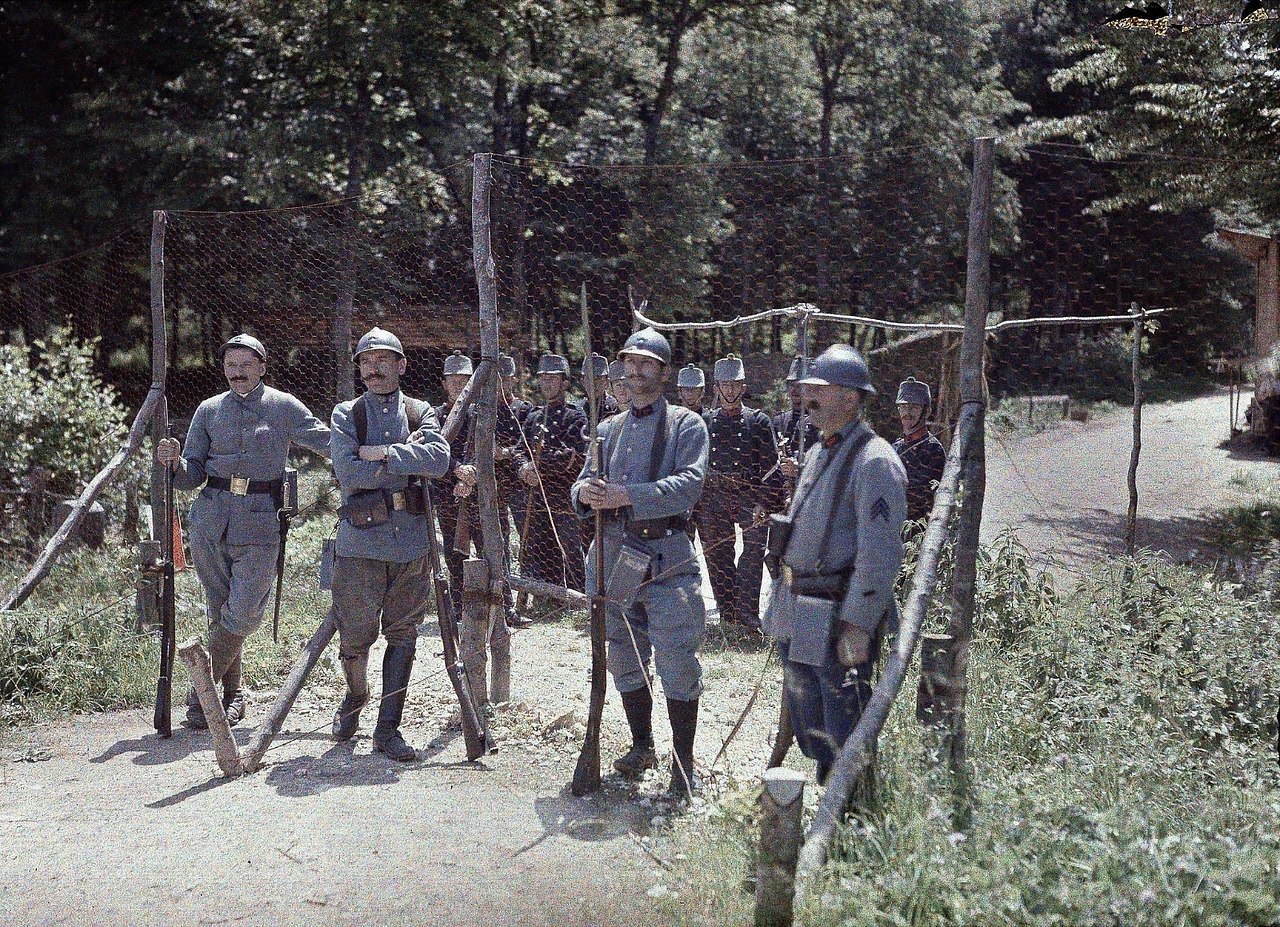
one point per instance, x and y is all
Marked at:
(666, 624)
(372, 594)
(237, 580)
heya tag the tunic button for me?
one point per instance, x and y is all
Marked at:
(385, 409)
(386, 434)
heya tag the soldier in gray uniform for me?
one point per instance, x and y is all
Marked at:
(691, 383)
(383, 445)
(839, 548)
(655, 459)
(238, 446)
(923, 455)
(743, 452)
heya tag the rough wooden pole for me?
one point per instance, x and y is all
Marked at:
(474, 631)
(159, 375)
(260, 742)
(53, 549)
(494, 546)
(1131, 528)
(781, 832)
(972, 395)
(549, 591)
(224, 745)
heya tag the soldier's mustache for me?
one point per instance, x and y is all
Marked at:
(812, 405)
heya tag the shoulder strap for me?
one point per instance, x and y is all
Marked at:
(361, 415)
(416, 411)
(659, 448)
(846, 466)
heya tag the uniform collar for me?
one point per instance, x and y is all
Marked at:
(835, 439)
(381, 397)
(655, 406)
(254, 395)
(917, 435)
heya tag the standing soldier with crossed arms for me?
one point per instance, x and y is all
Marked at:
(237, 447)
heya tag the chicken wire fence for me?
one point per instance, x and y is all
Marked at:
(876, 243)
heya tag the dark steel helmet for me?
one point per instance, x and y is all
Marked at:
(245, 341)
(728, 368)
(506, 365)
(554, 363)
(599, 363)
(912, 392)
(799, 369)
(691, 377)
(379, 339)
(840, 365)
(648, 343)
(457, 363)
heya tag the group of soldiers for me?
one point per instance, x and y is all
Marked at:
(817, 497)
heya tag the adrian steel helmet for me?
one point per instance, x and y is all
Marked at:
(553, 363)
(912, 392)
(245, 341)
(840, 365)
(691, 377)
(379, 339)
(457, 363)
(648, 343)
(728, 368)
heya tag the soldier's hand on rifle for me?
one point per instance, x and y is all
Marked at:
(758, 515)
(790, 469)
(463, 490)
(374, 453)
(529, 475)
(854, 646)
(604, 496)
(466, 475)
(169, 452)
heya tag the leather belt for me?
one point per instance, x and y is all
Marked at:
(243, 486)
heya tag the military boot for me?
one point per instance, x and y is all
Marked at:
(684, 725)
(232, 694)
(638, 705)
(346, 720)
(224, 650)
(397, 667)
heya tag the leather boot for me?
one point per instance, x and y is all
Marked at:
(638, 705)
(225, 651)
(397, 667)
(684, 725)
(346, 720)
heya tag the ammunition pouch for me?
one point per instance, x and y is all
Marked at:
(780, 526)
(370, 508)
(630, 571)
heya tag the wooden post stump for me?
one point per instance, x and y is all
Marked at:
(500, 651)
(148, 585)
(224, 745)
(473, 635)
(781, 833)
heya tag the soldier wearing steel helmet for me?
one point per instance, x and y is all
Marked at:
(654, 459)
(236, 451)
(384, 444)
(737, 495)
(691, 384)
(838, 551)
(923, 455)
(549, 458)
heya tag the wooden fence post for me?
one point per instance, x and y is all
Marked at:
(474, 632)
(224, 745)
(1131, 527)
(781, 804)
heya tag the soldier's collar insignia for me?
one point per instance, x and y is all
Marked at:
(832, 440)
(642, 413)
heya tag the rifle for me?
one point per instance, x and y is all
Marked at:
(462, 526)
(163, 720)
(475, 733)
(522, 596)
(284, 515)
(586, 775)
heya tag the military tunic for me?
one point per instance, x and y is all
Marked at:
(847, 532)
(667, 620)
(554, 437)
(742, 451)
(235, 538)
(924, 459)
(380, 575)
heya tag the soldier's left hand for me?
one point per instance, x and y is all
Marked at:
(374, 453)
(466, 474)
(462, 490)
(789, 467)
(854, 646)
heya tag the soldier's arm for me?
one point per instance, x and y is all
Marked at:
(428, 455)
(307, 430)
(937, 463)
(881, 498)
(191, 470)
(344, 448)
(680, 491)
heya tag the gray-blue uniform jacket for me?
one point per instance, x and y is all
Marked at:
(847, 519)
(250, 436)
(425, 453)
(672, 621)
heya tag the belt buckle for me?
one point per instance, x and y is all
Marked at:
(787, 574)
(398, 503)
(240, 486)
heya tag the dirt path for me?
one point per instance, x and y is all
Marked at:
(102, 823)
(1065, 492)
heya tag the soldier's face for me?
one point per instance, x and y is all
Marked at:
(381, 370)
(243, 369)
(455, 383)
(621, 392)
(691, 396)
(832, 407)
(645, 376)
(910, 415)
(731, 391)
(795, 392)
(551, 385)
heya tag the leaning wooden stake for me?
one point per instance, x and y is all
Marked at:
(260, 742)
(1131, 528)
(781, 804)
(224, 745)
